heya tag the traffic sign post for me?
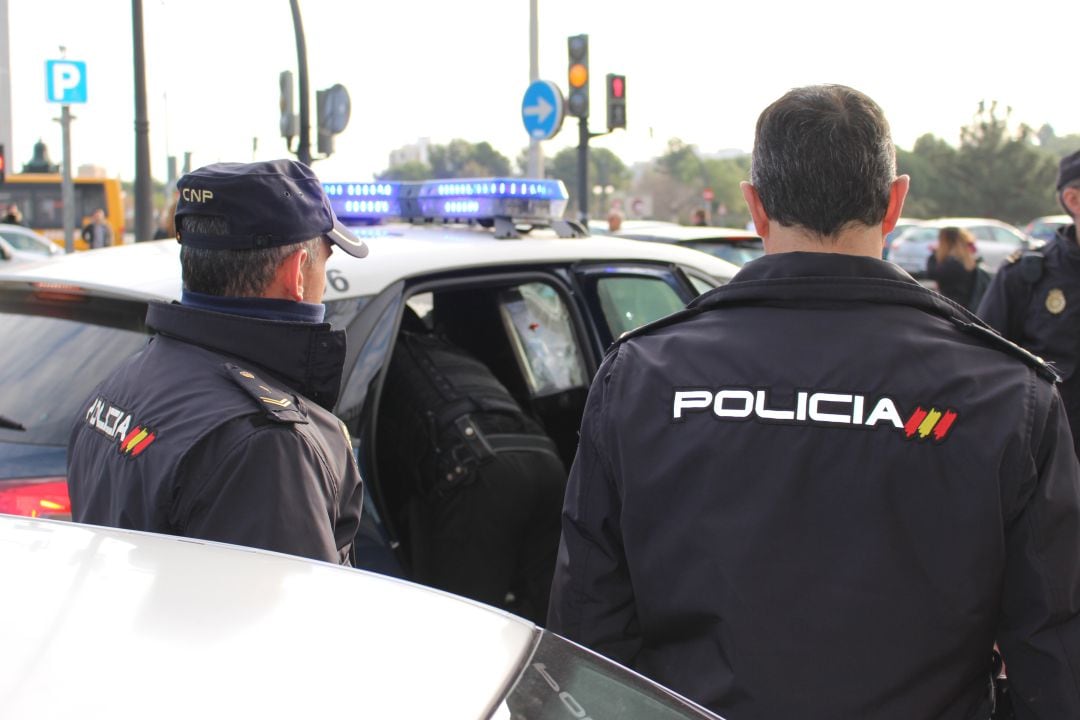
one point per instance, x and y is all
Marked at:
(65, 82)
(542, 110)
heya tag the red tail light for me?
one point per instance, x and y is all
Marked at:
(36, 497)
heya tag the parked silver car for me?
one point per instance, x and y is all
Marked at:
(994, 241)
(20, 244)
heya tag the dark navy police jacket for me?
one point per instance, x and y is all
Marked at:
(220, 429)
(823, 491)
(1037, 306)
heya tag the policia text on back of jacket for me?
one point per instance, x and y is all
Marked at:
(824, 491)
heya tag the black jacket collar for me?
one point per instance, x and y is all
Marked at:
(308, 357)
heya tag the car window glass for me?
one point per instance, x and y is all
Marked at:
(1002, 235)
(19, 241)
(982, 232)
(564, 681)
(542, 336)
(629, 301)
(49, 374)
(700, 284)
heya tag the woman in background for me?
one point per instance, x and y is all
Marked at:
(955, 268)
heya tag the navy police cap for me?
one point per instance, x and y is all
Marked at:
(1068, 170)
(263, 204)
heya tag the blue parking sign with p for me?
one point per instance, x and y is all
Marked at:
(65, 81)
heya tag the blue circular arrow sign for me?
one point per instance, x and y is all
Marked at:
(542, 110)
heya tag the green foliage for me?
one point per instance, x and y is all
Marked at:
(996, 172)
(461, 158)
(458, 159)
(410, 171)
(605, 168)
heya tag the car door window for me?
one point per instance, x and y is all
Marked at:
(542, 336)
(629, 302)
(982, 232)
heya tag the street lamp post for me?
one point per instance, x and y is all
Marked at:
(303, 146)
(144, 201)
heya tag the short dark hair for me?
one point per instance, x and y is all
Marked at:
(231, 273)
(823, 159)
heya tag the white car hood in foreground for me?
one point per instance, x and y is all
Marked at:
(99, 623)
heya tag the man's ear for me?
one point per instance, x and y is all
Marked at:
(757, 210)
(897, 194)
(288, 282)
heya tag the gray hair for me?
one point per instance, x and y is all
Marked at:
(823, 159)
(232, 273)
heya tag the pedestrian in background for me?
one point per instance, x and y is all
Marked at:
(1034, 299)
(97, 233)
(13, 216)
(614, 220)
(221, 428)
(698, 218)
(820, 491)
(955, 268)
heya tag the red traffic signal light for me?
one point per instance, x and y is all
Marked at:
(616, 101)
(3, 164)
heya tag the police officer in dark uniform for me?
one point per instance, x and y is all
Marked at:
(822, 490)
(1035, 298)
(221, 427)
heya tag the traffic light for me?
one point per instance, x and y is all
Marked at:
(578, 74)
(288, 121)
(616, 101)
(3, 164)
(332, 107)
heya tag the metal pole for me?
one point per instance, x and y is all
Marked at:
(536, 155)
(303, 148)
(6, 130)
(583, 169)
(67, 187)
(144, 188)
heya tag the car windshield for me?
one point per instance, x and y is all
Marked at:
(564, 681)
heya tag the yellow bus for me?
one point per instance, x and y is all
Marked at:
(39, 198)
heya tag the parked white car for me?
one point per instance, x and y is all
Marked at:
(105, 623)
(19, 244)
(994, 241)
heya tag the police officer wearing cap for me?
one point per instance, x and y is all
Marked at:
(221, 428)
(1035, 298)
(822, 490)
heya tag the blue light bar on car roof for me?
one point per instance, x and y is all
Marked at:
(474, 199)
(368, 201)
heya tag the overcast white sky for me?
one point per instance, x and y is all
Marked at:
(698, 70)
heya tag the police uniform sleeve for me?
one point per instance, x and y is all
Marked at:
(1000, 307)
(1039, 633)
(592, 600)
(265, 487)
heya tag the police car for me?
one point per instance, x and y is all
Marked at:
(103, 623)
(541, 301)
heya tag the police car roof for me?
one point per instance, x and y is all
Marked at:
(397, 252)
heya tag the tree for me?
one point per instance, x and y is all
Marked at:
(461, 158)
(411, 171)
(995, 172)
(1003, 173)
(605, 168)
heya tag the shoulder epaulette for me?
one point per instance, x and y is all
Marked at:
(1040, 366)
(276, 403)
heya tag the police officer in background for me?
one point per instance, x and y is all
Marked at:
(221, 427)
(1035, 298)
(822, 490)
